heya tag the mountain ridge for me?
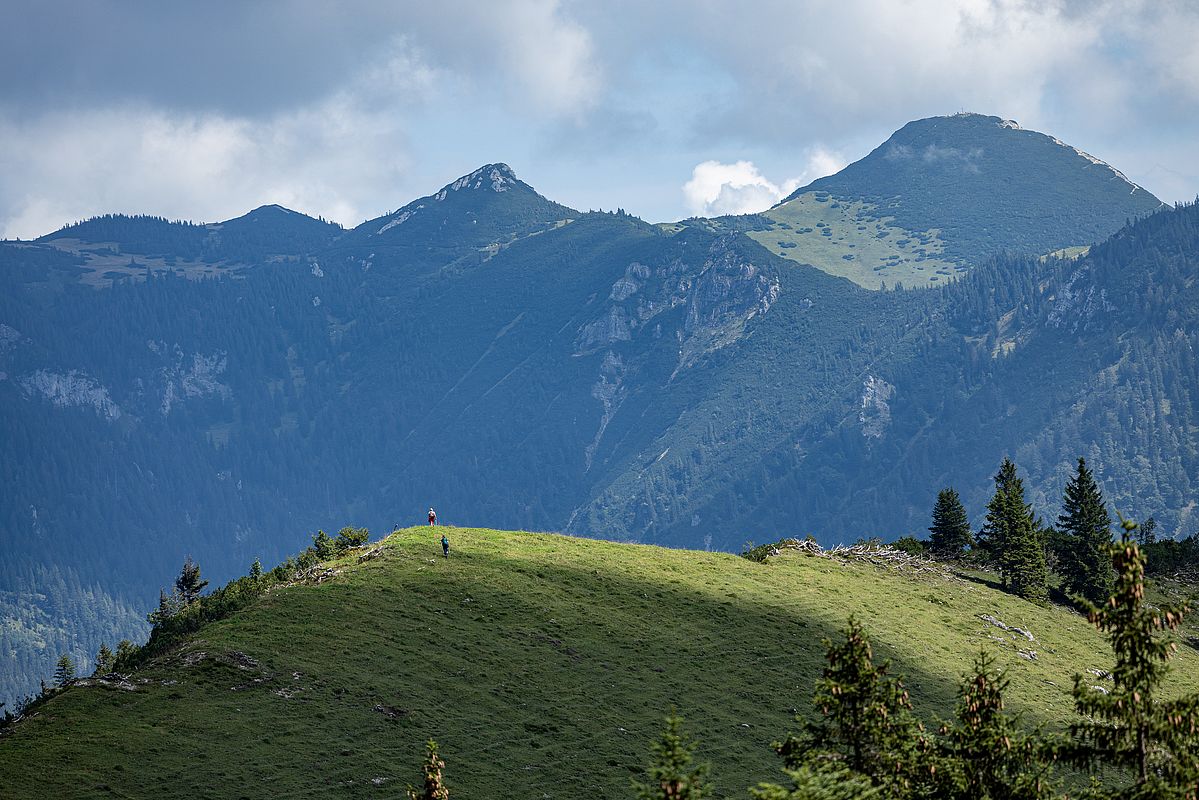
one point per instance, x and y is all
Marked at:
(541, 368)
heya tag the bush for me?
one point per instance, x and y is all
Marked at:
(910, 545)
(351, 537)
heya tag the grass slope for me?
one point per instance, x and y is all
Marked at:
(849, 239)
(542, 664)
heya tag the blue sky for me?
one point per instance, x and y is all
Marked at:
(667, 109)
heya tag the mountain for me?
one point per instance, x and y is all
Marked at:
(543, 666)
(512, 361)
(115, 247)
(945, 193)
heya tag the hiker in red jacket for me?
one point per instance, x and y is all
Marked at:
(432, 516)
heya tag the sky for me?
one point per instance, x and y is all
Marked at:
(668, 109)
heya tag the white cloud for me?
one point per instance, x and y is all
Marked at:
(716, 189)
(340, 158)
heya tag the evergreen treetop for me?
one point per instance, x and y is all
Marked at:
(867, 723)
(1012, 537)
(986, 752)
(672, 776)
(64, 670)
(188, 584)
(1129, 726)
(434, 787)
(951, 526)
(105, 660)
(1085, 531)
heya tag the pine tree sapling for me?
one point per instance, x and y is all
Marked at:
(323, 546)
(1147, 532)
(434, 787)
(348, 538)
(986, 753)
(1083, 545)
(951, 527)
(188, 584)
(671, 775)
(64, 671)
(816, 783)
(105, 660)
(1157, 740)
(867, 725)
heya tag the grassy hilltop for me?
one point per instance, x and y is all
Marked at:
(542, 664)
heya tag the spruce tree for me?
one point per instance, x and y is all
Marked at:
(104, 660)
(1084, 557)
(817, 783)
(322, 545)
(993, 538)
(64, 671)
(434, 785)
(1147, 532)
(868, 726)
(671, 775)
(188, 584)
(951, 527)
(1128, 726)
(985, 752)
(1013, 539)
(256, 570)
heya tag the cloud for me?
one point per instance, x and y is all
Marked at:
(340, 158)
(349, 112)
(716, 189)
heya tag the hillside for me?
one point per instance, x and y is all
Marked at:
(505, 358)
(543, 665)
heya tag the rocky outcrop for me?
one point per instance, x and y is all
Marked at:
(875, 412)
(720, 297)
(72, 388)
(1077, 303)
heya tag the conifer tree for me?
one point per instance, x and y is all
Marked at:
(815, 783)
(434, 785)
(64, 671)
(1128, 726)
(256, 569)
(993, 538)
(1012, 537)
(188, 584)
(867, 725)
(987, 755)
(105, 659)
(951, 527)
(322, 545)
(1147, 532)
(672, 776)
(1084, 557)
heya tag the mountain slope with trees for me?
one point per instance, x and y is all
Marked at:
(510, 360)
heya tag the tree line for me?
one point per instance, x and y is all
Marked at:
(1023, 548)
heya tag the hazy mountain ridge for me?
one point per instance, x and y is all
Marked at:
(513, 361)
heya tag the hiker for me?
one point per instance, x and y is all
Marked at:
(395, 528)
(445, 546)
(432, 516)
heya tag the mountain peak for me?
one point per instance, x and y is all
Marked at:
(964, 186)
(496, 177)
